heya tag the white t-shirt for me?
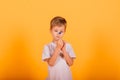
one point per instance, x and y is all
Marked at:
(60, 71)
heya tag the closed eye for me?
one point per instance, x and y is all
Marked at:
(56, 31)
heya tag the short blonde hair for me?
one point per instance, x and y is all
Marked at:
(58, 21)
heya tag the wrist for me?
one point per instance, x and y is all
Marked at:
(64, 51)
(58, 49)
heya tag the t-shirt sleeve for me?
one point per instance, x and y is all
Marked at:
(45, 53)
(71, 51)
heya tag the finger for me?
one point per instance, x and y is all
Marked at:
(60, 41)
(64, 43)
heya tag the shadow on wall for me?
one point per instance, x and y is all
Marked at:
(102, 66)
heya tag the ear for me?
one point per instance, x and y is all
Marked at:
(65, 31)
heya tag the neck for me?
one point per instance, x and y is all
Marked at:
(55, 41)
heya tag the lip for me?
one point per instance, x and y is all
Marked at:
(57, 37)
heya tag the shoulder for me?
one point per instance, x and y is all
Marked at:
(68, 44)
(48, 44)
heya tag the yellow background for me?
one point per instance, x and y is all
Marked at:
(93, 30)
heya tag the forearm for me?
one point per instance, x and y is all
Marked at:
(51, 61)
(68, 59)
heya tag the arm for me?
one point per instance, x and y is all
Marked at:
(68, 59)
(51, 61)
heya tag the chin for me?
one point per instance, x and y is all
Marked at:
(57, 39)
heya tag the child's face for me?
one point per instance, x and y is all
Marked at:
(58, 32)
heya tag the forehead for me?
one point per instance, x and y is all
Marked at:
(59, 27)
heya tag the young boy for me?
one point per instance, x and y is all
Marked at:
(58, 54)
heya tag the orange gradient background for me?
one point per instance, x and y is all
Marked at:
(93, 30)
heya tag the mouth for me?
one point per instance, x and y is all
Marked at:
(57, 37)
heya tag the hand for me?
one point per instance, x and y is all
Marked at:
(64, 46)
(60, 44)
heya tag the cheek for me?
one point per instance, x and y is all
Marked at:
(54, 33)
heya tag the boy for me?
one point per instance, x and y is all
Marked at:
(58, 54)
